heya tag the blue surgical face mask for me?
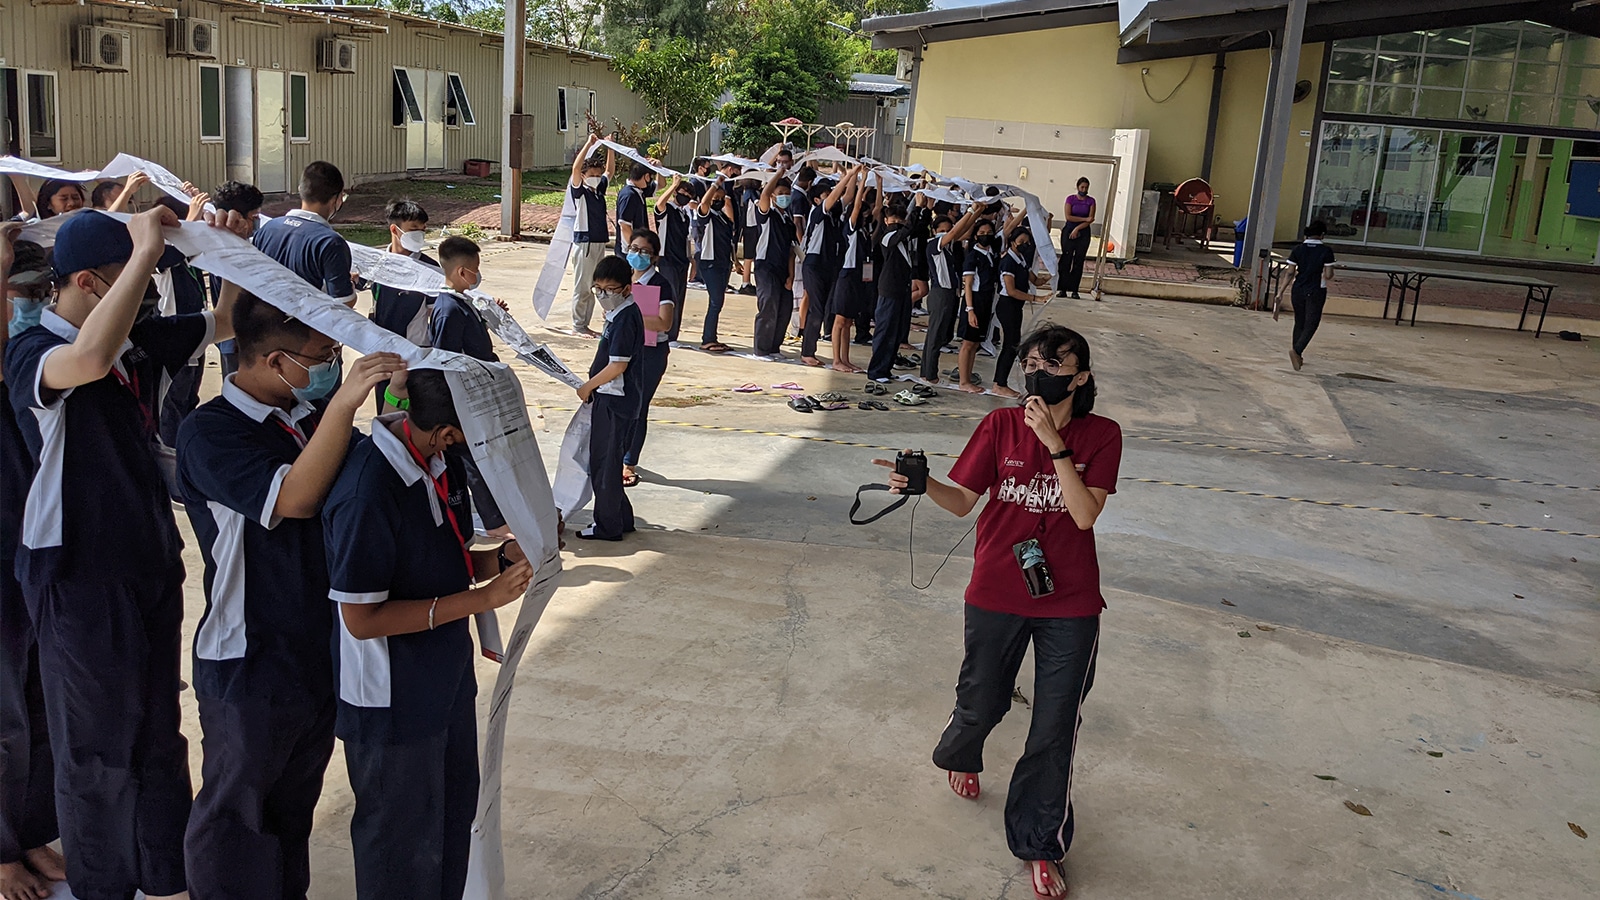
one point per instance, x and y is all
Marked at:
(782, 200)
(323, 378)
(639, 261)
(25, 314)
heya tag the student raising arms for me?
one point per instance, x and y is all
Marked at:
(716, 218)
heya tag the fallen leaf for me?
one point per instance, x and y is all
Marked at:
(1244, 634)
(1357, 808)
(1578, 830)
(1519, 596)
(1436, 754)
(811, 498)
(1445, 833)
(1326, 778)
(1261, 627)
(1231, 603)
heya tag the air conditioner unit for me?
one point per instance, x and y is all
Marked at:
(192, 37)
(104, 49)
(334, 55)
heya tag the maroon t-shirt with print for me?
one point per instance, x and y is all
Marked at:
(1005, 459)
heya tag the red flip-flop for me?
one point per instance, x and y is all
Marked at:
(1046, 875)
(965, 784)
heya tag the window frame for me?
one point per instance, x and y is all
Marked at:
(304, 138)
(409, 107)
(222, 106)
(25, 95)
(563, 110)
(455, 87)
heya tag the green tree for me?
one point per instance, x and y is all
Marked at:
(769, 85)
(680, 84)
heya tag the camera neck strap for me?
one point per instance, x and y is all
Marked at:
(856, 507)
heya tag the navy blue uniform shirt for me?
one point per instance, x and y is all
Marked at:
(1018, 268)
(98, 510)
(716, 238)
(590, 227)
(267, 625)
(307, 245)
(775, 237)
(981, 265)
(630, 209)
(672, 227)
(622, 340)
(389, 537)
(404, 312)
(457, 326)
(1308, 259)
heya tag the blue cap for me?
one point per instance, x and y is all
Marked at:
(90, 239)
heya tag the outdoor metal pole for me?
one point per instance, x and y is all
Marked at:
(1218, 69)
(1258, 175)
(1105, 227)
(1278, 143)
(514, 58)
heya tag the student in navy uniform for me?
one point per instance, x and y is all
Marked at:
(458, 326)
(27, 794)
(820, 267)
(615, 388)
(894, 292)
(718, 221)
(633, 208)
(255, 465)
(849, 294)
(189, 297)
(108, 611)
(405, 312)
(945, 254)
(674, 228)
(1310, 270)
(749, 233)
(1014, 291)
(644, 255)
(246, 200)
(774, 264)
(396, 525)
(303, 242)
(590, 238)
(980, 274)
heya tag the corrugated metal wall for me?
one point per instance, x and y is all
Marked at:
(153, 110)
(863, 112)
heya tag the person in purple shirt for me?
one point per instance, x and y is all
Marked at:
(1075, 239)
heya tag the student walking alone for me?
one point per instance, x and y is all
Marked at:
(1310, 270)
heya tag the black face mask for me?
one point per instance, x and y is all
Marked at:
(984, 240)
(1052, 389)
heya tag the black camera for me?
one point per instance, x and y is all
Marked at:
(914, 466)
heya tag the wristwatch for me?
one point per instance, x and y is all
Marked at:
(1064, 454)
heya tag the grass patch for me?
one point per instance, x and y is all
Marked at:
(370, 235)
(544, 187)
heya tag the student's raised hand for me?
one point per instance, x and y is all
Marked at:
(365, 374)
(145, 228)
(190, 189)
(228, 220)
(197, 205)
(508, 586)
(136, 181)
(501, 303)
(897, 482)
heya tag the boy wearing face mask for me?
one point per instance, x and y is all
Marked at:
(774, 264)
(395, 527)
(405, 312)
(254, 465)
(675, 227)
(615, 388)
(590, 180)
(108, 609)
(632, 213)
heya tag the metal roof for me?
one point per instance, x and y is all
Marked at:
(879, 85)
(923, 28)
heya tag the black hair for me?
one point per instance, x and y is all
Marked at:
(455, 250)
(1055, 342)
(237, 196)
(942, 220)
(405, 209)
(651, 238)
(1316, 229)
(261, 328)
(700, 162)
(613, 268)
(321, 182)
(817, 191)
(639, 170)
(784, 151)
(594, 162)
(431, 402)
(180, 208)
(49, 189)
(1081, 180)
(104, 193)
(1022, 231)
(807, 175)
(982, 222)
(896, 210)
(30, 258)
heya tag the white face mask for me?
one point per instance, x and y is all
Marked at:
(413, 241)
(593, 181)
(609, 300)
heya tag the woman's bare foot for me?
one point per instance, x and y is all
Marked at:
(18, 882)
(1001, 390)
(847, 368)
(811, 361)
(965, 784)
(969, 388)
(47, 862)
(1049, 882)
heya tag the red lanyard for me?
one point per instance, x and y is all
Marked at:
(299, 438)
(131, 382)
(441, 486)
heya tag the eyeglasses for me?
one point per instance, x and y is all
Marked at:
(1050, 366)
(333, 354)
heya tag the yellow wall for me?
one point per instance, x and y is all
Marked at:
(1070, 76)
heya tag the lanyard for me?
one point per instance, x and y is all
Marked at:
(131, 382)
(299, 438)
(441, 486)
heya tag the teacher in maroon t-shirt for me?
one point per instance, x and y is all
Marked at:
(1047, 468)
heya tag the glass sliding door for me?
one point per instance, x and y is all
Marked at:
(1347, 162)
(1400, 199)
(1461, 192)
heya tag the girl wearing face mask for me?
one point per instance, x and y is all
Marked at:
(1075, 239)
(643, 251)
(944, 282)
(396, 526)
(1047, 467)
(1014, 292)
(980, 275)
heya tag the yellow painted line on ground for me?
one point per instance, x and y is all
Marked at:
(1178, 484)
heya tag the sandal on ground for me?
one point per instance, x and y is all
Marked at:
(800, 404)
(715, 347)
(1049, 882)
(787, 386)
(965, 784)
(865, 404)
(833, 406)
(906, 398)
(748, 387)
(831, 397)
(922, 390)
(878, 406)
(875, 389)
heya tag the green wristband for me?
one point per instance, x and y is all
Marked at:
(392, 400)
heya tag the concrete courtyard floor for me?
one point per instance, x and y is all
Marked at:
(1316, 600)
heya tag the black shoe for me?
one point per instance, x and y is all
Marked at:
(588, 535)
(1061, 293)
(1075, 296)
(749, 290)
